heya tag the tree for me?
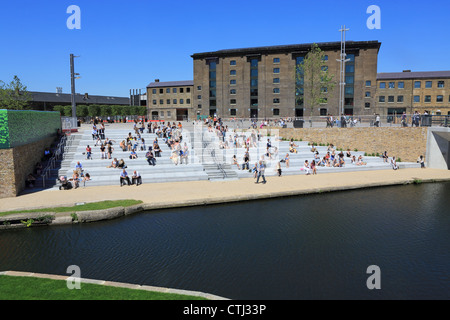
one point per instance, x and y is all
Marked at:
(14, 95)
(312, 73)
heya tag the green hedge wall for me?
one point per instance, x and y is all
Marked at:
(102, 110)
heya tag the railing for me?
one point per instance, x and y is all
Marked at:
(57, 155)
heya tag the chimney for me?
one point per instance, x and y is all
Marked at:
(157, 80)
(406, 70)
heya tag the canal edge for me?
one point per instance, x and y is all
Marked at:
(115, 284)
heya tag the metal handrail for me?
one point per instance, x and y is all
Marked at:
(58, 154)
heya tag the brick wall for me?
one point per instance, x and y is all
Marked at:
(405, 143)
(17, 163)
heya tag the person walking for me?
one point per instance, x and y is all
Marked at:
(261, 172)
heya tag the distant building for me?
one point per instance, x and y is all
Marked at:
(47, 100)
(260, 82)
(407, 91)
(171, 101)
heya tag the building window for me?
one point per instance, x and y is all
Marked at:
(161, 114)
(350, 68)
(232, 112)
(233, 101)
(199, 106)
(276, 60)
(232, 62)
(427, 99)
(154, 101)
(367, 105)
(276, 100)
(232, 82)
(382, 99)
(168, 101)
(199, 88)
(161, 91)
(181, 101)
(233, 91)
(325, 58)
(440, 98)
(161, 101)
(188, 90)
(400, 99)
(174, 90)
(232, 72)
(323, 111)
(417, 84)
(174, 101)
(154, 91)
(188, 101)
(382, 85)
(276, 90)
(254, 82)
(276, 111)
(428, 84)
(391, 99)
(181, 90)
(199, 97)
(417, 99)
(401, 85)
(276, 70)
(324, 68)
(367, 94)
(168, 90)
(168, 114)
(391, 85)
(349, 90)
(276, 80)
(368, 83)
(441, 84)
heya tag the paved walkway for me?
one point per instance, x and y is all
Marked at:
(198, 192)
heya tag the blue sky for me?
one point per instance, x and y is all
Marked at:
(128, 44)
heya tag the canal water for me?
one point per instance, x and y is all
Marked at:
(306, 247)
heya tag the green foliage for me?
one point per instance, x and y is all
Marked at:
(14, 95)
(28, 223)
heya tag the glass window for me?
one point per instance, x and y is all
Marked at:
(325, 58)
(174, 90)
(168, 113)
(254, 83)
(212, 65)
(174, 101)
(168, 90)
(417, 84)
(367, 94)
(188, 101)
(349, 79)
(276, 112)
(276, 100)
(367, 105)
(199, 88)
(254, 73)
(233, 91)
(382, 85)
(161, 114)
(416, 98)
(161, 91)
(276, 80)
(350, 68)
(181, 101)
(400, 99)
(401, 85)
(276, 90)
(254, 62)
(276, 60)
(168, 101)
(441, 84)
(232, 112)
(428, 84)
(391, 85)
(199, 97)
(233, 101)
(351, 57)
(232, 82)
(199, 106)
(212, 84)
(427, 99)
(161, 101)
(181, 90)
(253, 92)
(154, 91)
(349, 90)
(154, 101)
(188, 90)
(276, 70)
(391, 99)
(368, 83)
(440, 98)
(212, 74)
(212, 93)
(232, 62)
(232, 72)
(324, 68)
(382, 99)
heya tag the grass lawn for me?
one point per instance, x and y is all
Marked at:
(28, 288)
(85, 207)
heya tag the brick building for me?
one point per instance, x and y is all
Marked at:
(408, 92)
(260, 82)
(170, 101)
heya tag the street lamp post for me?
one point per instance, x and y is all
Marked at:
(342, 61)
(72, 81)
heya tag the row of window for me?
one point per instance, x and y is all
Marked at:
(174, 101)
(417, 84)
(277, 60)
(416, 99)
(171, 90)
